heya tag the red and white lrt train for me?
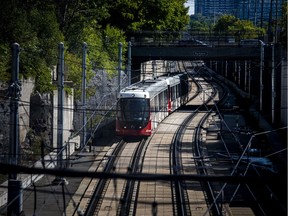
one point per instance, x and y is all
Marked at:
(143, 105)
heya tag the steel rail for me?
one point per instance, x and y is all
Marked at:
(127, 193)
(97, 197)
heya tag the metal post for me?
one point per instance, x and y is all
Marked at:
(249, 77)
(129, 63)
(60, 105)
(119, 66)
(239, 74)
(84, 52)
(261, 72)
(226, 68)
(245, 75)
(235, 71)
(60, 180)
(273, 85)
(14, 186)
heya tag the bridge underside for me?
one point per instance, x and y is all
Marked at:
(140, 54)
(194, 53)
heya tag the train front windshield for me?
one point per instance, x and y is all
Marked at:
(134, 110)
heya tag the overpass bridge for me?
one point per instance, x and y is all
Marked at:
(144, 53)
(173, 51)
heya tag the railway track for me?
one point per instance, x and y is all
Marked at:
(177, 147)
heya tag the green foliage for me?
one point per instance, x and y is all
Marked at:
(34, 26)
(112, 36)
(5, 56)
(73, 72)
(224, 23)
(43, 83)
(230, 25)
(102, 52)
(199, 23)
(39, 26)
(135, 15)
(48, 34)
(96, 52)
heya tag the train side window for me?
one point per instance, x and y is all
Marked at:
(161, 101)
(165, 97)
(157, 103)
(152, 105)
(174, 93)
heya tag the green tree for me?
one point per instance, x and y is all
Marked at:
(199, 23)
(74, 16)
(230, 25)
(34, 26)
(224, 23)
(5, 62)
(135, 15)
(102, 53)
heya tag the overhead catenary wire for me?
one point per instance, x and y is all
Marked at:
(72, 109)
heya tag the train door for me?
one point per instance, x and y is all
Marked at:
(165, 103)
(169, 99)
(156, 111)
(161, 106)
(174, 98)
(152, 112)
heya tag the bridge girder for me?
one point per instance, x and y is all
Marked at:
(195, 53)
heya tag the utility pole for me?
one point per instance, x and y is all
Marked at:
(119, 66)
(273, 92)
(261, 75)
(15, 195)
(60, 78)
(84, 120)
(129, 63)
(60, 106)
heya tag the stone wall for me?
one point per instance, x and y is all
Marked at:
(4, 123)
(24, 110)
(37, 118)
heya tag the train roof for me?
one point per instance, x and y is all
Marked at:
(144, 89)
(171, 80)
(151, 87)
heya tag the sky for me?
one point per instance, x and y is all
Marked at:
(190, 4)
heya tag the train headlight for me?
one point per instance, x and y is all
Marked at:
(140, 127)
(124, 127)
